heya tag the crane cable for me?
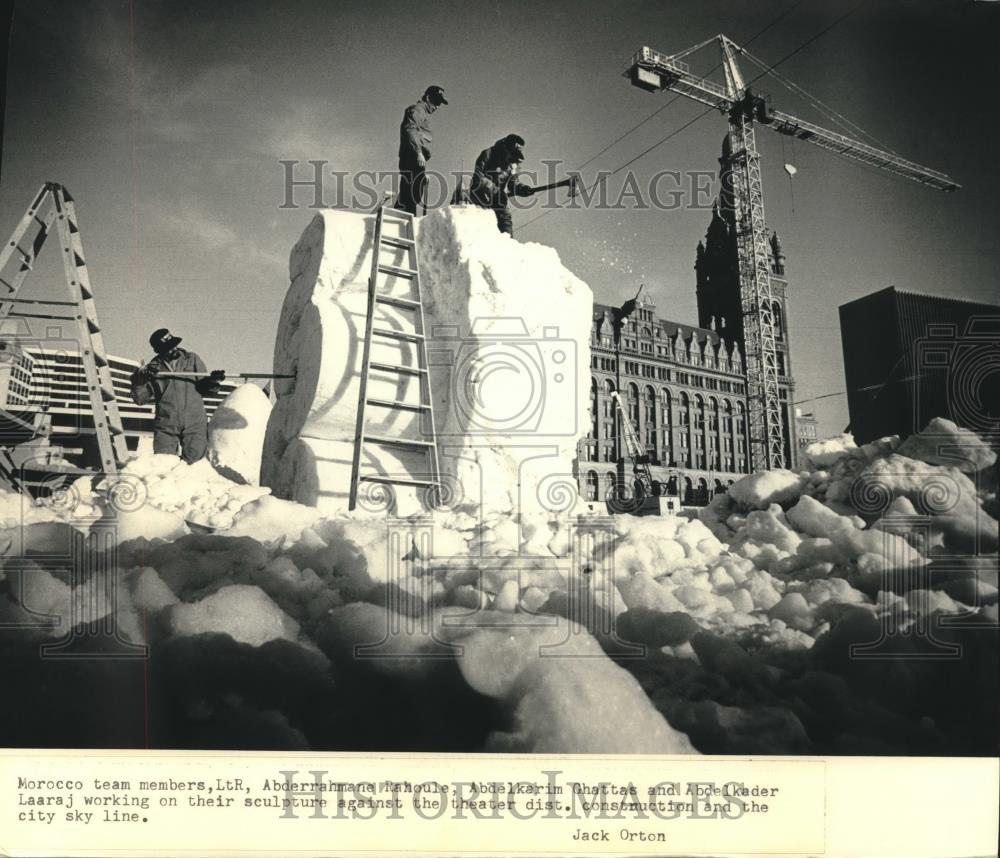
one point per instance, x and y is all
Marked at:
(830, 113)
(709, 110)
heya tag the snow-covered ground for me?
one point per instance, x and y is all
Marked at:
(746, 614)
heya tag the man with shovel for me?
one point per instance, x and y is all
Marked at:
(180, 408)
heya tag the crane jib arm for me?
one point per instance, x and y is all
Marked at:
(655, 71)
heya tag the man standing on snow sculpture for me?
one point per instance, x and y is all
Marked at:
(180, 409)
(495, 179)
(414, 149)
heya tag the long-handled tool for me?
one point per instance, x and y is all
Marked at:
(570, 183)
(225, 375)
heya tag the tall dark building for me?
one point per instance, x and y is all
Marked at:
(910, 357)
(683, 386)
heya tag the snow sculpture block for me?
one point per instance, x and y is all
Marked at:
(508, 332)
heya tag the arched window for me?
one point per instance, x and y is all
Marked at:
(779, 324)
(688, 491)
(699, 412)
(649, 409)
(592, 485)
(702, 491)
(610, 478)
(607, 405)
(633, 405)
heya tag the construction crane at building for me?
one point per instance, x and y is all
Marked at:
(745, 108)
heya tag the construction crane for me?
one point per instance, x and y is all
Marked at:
(639, 457)
(658, 72)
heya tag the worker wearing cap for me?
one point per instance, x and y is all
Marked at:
(495, 179)
(414, 149)
(180, 410)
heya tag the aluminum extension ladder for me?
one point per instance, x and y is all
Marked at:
(53, 204)
(431, 480)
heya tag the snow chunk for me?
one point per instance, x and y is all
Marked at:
(829, 451)
(243, 612)
(548, 695)
(236, 434)
(969, 452)
(760, 490)
(270, 518)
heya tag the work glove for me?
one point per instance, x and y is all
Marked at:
(217, 376)
(149, 371)
(523, 191)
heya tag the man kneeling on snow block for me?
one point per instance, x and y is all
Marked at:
(180, 409)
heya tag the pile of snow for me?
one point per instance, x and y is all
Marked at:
(236, 434)
(509, 379)
(194, 493)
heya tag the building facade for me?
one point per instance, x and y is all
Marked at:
(684, 387)
(684, 392)
(909, 358)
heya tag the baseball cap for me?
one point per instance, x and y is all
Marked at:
(163, 341)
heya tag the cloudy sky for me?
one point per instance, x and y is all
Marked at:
(167, 121)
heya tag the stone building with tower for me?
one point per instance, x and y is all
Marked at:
(683, 386)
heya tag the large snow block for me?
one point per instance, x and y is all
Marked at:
(508, 331)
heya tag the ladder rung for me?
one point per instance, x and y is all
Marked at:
(402, 370)
(388, 210)
(78, 259)
(404, 303)
(398, 335)
(398, 241)
(396, 271)
(39, 315)
(398, 405)
(398, 442)
(36, 300)
(396, 481)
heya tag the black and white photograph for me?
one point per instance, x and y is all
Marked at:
(500, 377)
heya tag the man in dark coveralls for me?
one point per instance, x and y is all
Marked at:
(495, 179)
(180, 409)
(414, 149)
